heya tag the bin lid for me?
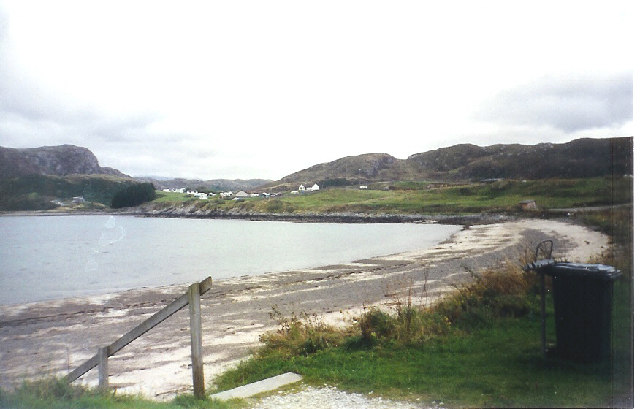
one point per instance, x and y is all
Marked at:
(596, 271)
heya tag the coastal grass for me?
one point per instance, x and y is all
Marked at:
(497, 364)
(417, 198)
(55, 393)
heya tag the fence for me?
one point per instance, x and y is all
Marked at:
(191, 298)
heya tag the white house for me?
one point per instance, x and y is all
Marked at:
(302, 188)
(242, 193)
(314, 187)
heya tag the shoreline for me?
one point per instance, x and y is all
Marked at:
(344, 217)
(51, 337)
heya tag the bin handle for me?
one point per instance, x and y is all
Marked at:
(546, 247)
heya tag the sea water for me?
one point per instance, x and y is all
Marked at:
(54, 257)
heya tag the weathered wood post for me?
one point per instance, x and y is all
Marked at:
(103, 368)
(192, 298)
(195, 322)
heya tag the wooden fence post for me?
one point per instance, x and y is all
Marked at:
(195, 323)
(103, 368)
(192, 298)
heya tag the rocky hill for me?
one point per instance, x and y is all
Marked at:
(370, 166)
(575, 159)
(60, 160)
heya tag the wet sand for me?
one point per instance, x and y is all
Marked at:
(53, 337)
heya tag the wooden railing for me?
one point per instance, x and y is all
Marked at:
(191, 298)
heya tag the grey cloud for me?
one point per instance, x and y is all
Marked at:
(567, 104)
(26, 112)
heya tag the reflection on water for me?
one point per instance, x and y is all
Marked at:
(111, 234)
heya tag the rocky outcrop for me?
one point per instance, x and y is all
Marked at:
(60, 160)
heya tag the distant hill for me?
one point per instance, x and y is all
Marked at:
(213, 185)
(575, 159)
(62, 160)
(369, 166)
(42, 178)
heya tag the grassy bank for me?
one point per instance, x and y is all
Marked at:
(415, 198)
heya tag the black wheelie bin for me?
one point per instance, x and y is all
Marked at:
(583, 301)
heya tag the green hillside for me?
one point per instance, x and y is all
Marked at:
(38, 192)
(424, 198)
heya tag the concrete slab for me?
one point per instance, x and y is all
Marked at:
(265, 385)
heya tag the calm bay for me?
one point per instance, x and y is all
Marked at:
(55, 257)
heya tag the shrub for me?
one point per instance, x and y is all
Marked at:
(375, 324)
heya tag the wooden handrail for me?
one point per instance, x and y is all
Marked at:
(136, 332)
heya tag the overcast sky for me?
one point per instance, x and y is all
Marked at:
(261, 89)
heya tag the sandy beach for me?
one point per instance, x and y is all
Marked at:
(50, 338)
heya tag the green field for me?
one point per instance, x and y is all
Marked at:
(417, 198)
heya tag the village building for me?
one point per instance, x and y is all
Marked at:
(313, 188)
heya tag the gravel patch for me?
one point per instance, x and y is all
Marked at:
(332, 398)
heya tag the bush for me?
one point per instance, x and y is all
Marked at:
(376, 324)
